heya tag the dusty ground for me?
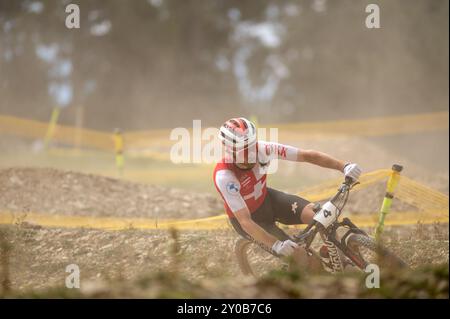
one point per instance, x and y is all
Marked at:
(160, 263)
(38, 259)
(70, 193)
(51, 191)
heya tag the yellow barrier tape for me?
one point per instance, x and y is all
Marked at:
(107, 223)
(158, 140)
(215, 222)
(328, 189)
(425, 122)
(420, 196)
(433, 207)
(405, 124)
(409, 191)
(64, 134)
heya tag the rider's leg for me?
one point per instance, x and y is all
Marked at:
(307, 214)
(292, 210)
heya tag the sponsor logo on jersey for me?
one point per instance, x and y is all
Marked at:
(282, 151)
(233, 188)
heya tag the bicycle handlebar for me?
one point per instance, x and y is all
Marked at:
(348, 180)
(344, 188)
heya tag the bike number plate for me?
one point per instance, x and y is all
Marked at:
(327, 215)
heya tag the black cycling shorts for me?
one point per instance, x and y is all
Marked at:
(277, 207)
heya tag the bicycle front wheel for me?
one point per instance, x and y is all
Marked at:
(367, 249)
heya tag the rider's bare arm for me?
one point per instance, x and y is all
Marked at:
(272, 150)
(253, 229)
(320, 159)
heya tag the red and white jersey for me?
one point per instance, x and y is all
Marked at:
(247, 188)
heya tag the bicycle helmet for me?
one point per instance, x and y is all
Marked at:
(238, 135)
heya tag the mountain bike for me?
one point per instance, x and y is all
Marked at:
(346, 244)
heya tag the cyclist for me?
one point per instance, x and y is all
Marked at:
(252, 207)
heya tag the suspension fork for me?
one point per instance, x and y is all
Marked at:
(342, 246)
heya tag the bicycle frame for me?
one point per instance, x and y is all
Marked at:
(328, 232)
(340, 246)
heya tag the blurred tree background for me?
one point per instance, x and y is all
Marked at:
(146, 64)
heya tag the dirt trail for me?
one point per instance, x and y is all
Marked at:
(39, 256)
(51, 191)
(70, 193)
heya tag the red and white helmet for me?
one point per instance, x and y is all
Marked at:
(238, 135)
